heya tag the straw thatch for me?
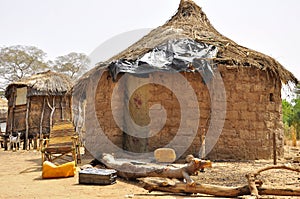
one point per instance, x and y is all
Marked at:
(191, 22)
(45, 83)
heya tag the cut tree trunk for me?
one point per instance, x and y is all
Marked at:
(176, 186)
(155, 177)
(132, 171)
(253, 188)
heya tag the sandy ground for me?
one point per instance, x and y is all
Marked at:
(20, 177)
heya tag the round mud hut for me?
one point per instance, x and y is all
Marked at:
(36, 103)
(187, 87)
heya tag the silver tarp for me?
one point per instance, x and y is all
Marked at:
(175, 55)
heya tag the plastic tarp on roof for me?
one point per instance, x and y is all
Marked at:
(175, 55)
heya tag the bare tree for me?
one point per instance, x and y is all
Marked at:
(73, 64)
(17, 62)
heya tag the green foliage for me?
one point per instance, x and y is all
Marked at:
(287, 110)
(296, 116)
(287, 131)
(291, 113)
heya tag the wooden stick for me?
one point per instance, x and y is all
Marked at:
(251, 183)
(27, 124)
(251, 177)
(41, 122)
(277, 167)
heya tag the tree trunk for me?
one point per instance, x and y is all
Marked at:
(155, 177)
(176, 186)
(254, 186)
(132, 171)
(52, 111)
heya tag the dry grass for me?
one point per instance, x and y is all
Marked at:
(191, 22)
(46, 83)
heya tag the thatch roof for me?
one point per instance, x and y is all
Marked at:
(45, 83)
(191, 22)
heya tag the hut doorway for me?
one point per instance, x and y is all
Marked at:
(135, 137)
(152, 115)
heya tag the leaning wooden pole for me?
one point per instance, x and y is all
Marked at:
(27, 124)
(41, 122)
(62, 111)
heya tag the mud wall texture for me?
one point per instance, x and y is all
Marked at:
(252, 113)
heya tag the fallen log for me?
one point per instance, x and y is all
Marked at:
(132, 170)
(176, 186)
(254, 184)
(154, 177)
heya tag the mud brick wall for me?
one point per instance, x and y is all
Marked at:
(253, 113)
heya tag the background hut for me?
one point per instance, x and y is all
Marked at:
(252, 83)
(35, 103)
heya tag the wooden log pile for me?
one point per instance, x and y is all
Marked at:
(176, 186)
(253, 188)
(178, 180)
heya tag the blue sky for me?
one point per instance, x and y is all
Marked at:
(59, 27)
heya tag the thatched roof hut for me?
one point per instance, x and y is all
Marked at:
(36, 102)
(252, 82)
(45, 83)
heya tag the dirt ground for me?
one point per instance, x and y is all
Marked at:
(20, 177)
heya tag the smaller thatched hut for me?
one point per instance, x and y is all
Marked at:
(37, 102)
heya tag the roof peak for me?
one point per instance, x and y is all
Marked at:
(189, 9)
(191, 22)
